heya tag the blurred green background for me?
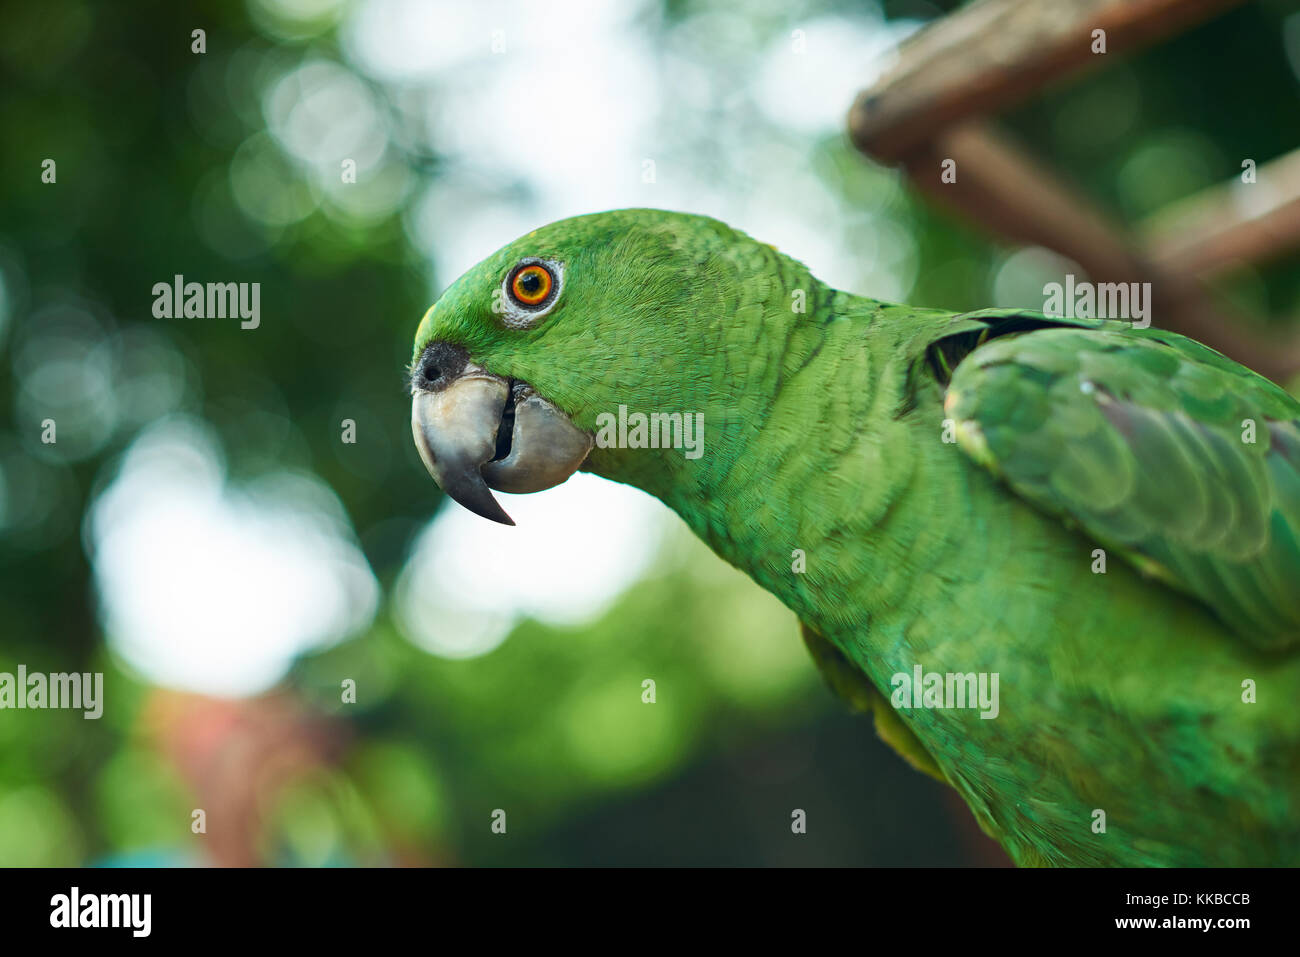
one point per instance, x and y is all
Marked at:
(202, 533)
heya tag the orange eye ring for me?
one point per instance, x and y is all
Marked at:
(531, 285)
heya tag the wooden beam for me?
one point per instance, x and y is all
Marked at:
(991, 54)
(1002, 190)
(1232, 225)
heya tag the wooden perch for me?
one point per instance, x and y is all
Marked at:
(993, 53)
(1001, 189)
(1231, 225)
(990, 55)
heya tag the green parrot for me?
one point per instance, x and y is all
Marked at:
(1058, 560)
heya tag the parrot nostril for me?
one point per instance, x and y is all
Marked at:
(440, 363)
(431, 369)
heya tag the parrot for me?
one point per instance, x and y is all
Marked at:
(1095, 524)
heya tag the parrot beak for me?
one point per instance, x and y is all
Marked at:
(474, 430)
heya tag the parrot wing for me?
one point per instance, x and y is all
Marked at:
(1162, 450)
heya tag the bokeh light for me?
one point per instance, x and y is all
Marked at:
(215, 589)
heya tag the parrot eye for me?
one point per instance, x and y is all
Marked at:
(531, 289)
(531, 285)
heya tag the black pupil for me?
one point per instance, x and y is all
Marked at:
(531, 282)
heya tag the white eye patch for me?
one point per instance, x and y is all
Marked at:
(529, 291)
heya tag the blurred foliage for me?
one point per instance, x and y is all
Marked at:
(167, 164)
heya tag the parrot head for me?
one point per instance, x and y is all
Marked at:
(515, 361)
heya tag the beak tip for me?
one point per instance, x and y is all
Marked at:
(493, 511)
(484, 505)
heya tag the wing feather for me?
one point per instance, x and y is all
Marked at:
(1184, 462)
